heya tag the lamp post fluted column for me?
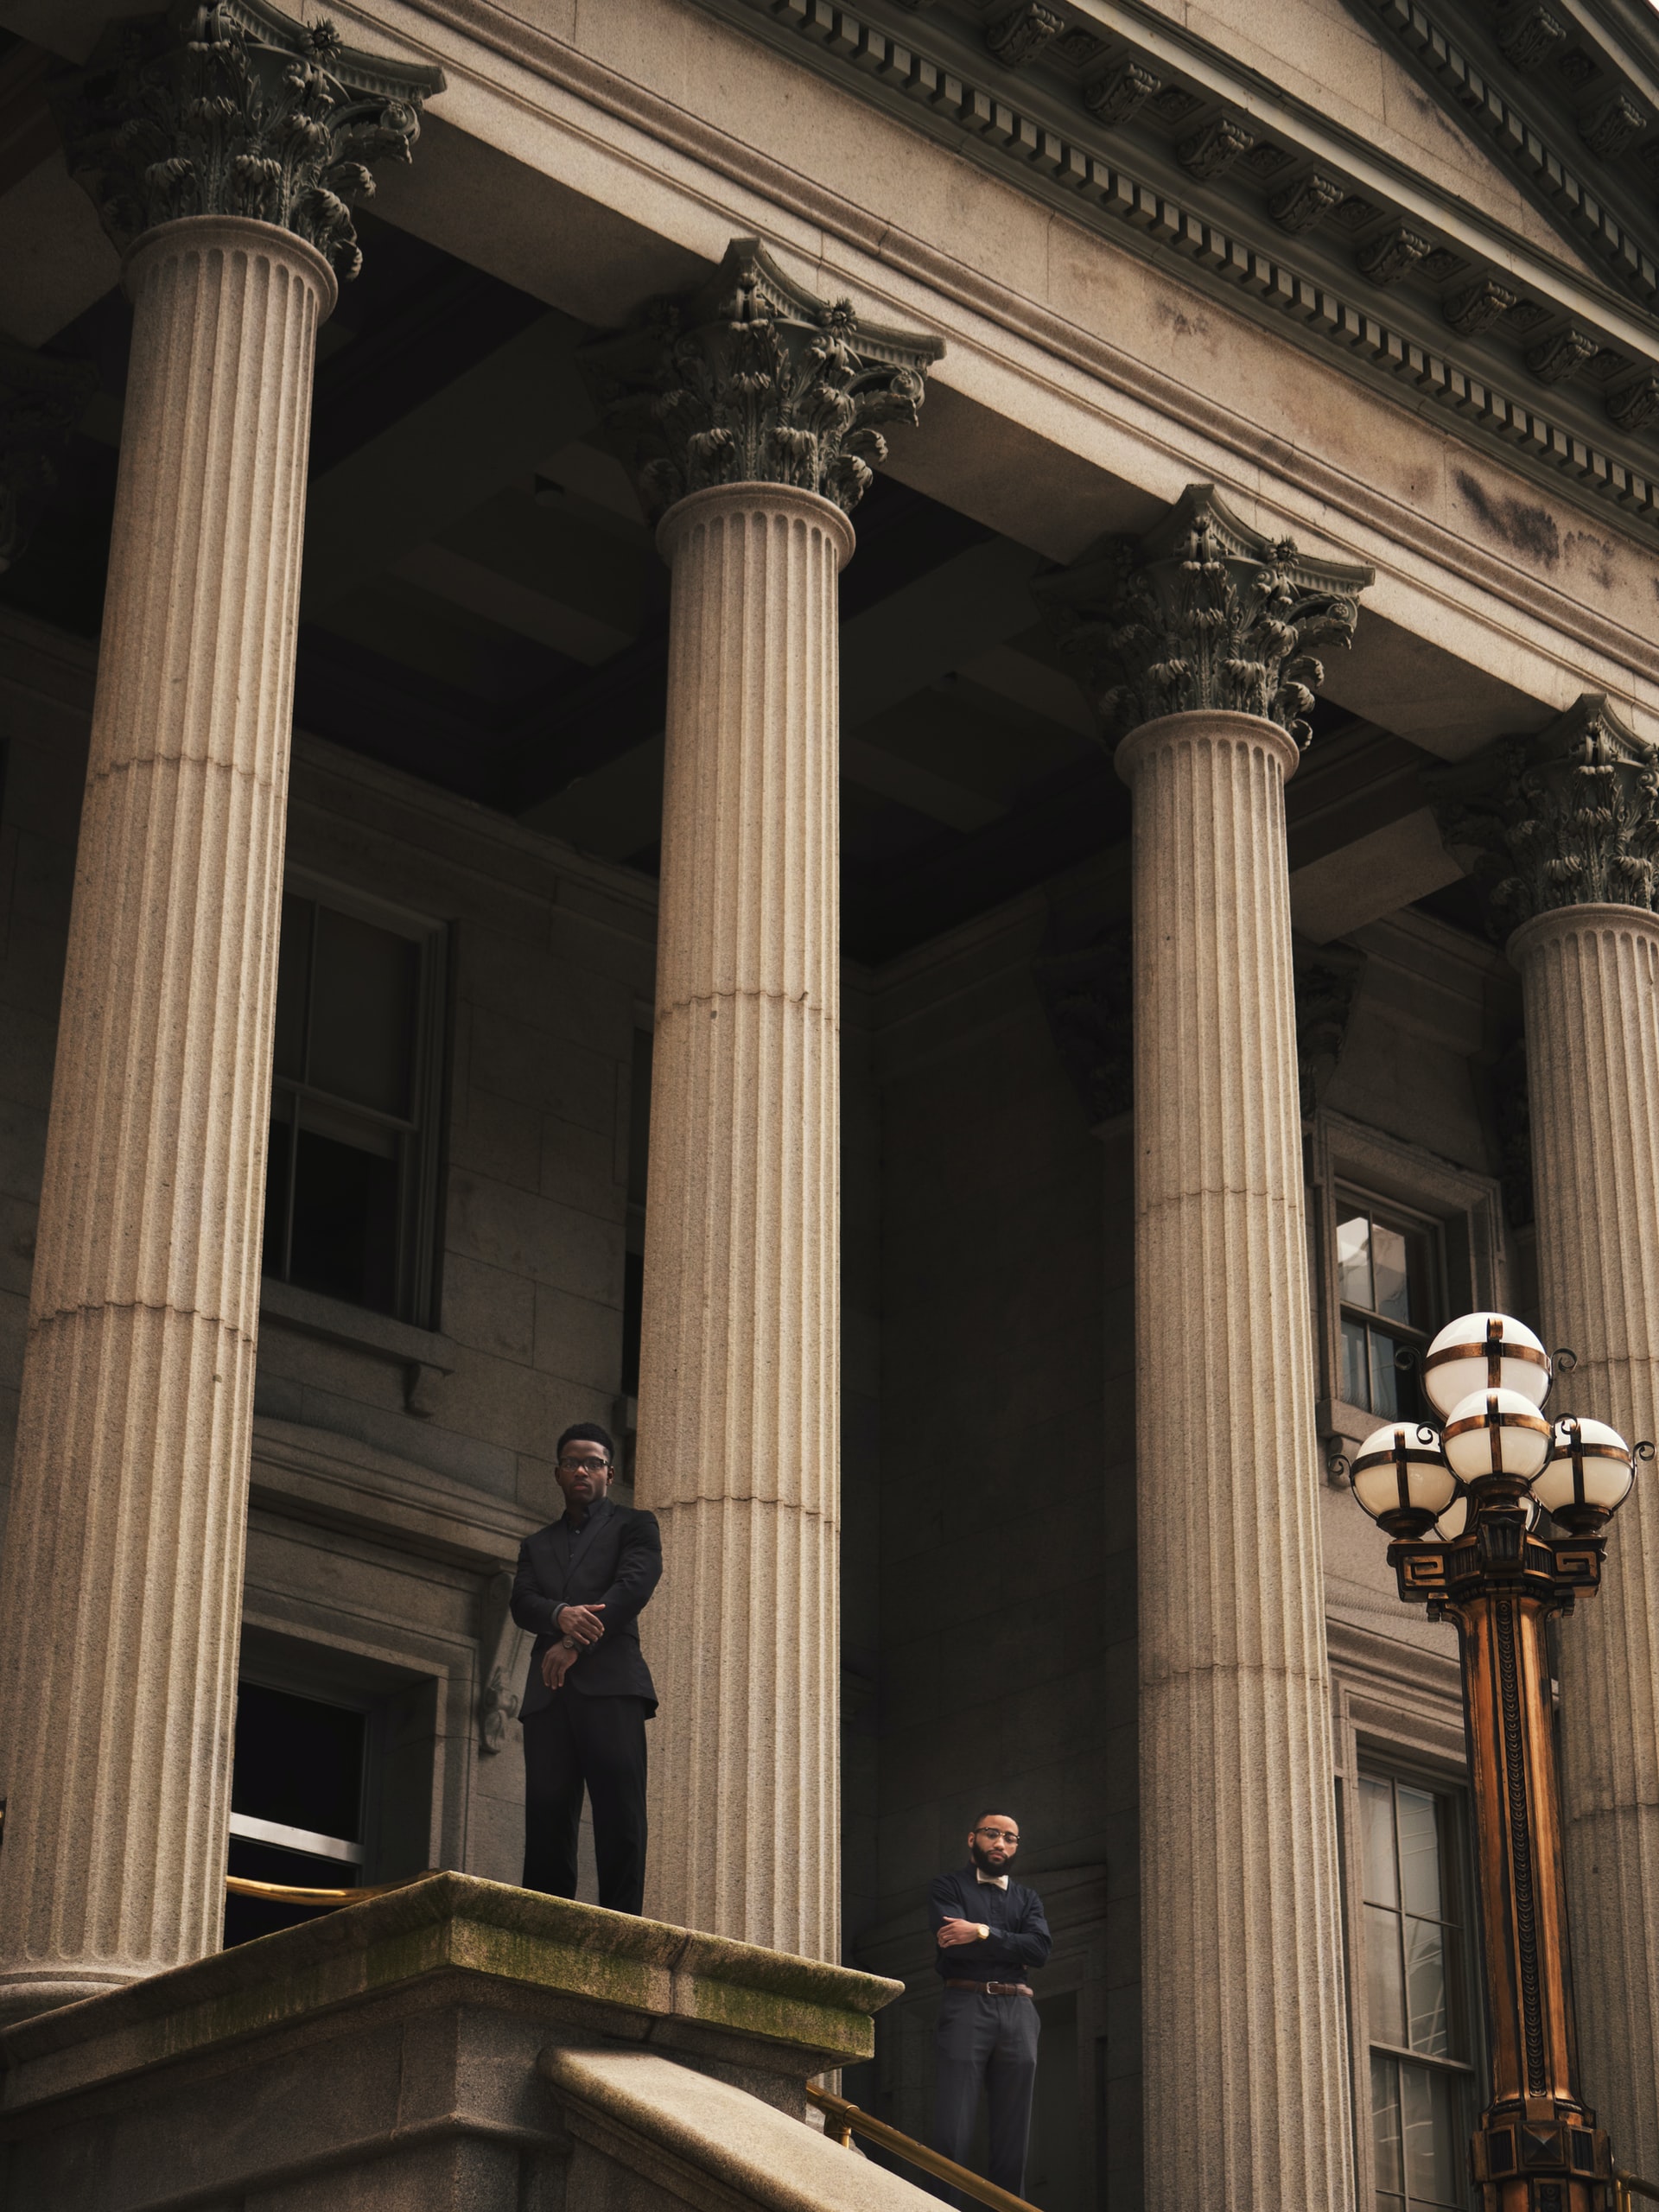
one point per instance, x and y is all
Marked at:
(1570, 820)
(1195, 639)
(759, 433)
(222, 160)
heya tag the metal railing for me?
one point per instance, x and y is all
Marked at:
(1626, 2188)
(842, 2120)
(243, 1886)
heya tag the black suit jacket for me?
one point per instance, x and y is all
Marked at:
(1018, 1941)
(617, 1562)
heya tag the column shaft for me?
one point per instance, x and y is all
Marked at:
(1591, 978)
(739, 1449)
(1246, 2085)
(121, 1599)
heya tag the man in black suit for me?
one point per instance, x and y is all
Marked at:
(581, 1587)
(989, 1933)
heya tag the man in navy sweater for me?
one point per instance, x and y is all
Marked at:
(990, 1934)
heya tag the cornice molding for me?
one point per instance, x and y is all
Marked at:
(471, 30)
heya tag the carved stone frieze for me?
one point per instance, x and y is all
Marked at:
(1019, 35)
(1214, 148)
(1304, 202)
(40, 401)
(1568, 817)
(1529, 35)
(1634, 405)
(1477, 306)
(1204, 612)
(1612, 124)
(1114, 96)
(235, 109)
(1560, 354)
(752, 379)
(1394, 253)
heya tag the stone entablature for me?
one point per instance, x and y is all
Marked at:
(1300, 226)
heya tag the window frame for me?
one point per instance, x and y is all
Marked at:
(415, 1272)
(1393, 1763)
(1463, 1212)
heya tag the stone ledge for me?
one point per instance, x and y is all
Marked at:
(497, 1945)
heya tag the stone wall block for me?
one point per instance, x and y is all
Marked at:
(740, 1384)
(121, 1601)
(1591, 978)
(1246, 2068)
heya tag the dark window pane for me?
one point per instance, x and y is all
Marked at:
(299, 1761)
(1377, 1835)
(363, 998)
(1389, 1272)
(1385, 1989)
(1356, 1363)
(1354, 1261)
(293, 968)
(1385, 1376)
(1385, 2125)
(1425, 2008)
(346, 1197)
(278, 1169)
(1429, 2132)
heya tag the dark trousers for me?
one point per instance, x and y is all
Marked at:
(599, 1743)
(989, 2044)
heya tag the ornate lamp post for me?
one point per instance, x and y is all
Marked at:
(1463, 1503)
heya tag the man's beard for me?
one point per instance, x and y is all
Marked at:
(983, 1862)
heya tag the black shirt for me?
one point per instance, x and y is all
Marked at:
(1018, 1941)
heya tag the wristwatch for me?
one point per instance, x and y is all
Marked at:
(569, 1643)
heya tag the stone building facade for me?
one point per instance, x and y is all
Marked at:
(1142, 730)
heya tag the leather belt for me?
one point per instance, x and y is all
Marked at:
(996, 1988)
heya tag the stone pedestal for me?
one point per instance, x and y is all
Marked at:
(455, 2043)
(120, 1604)
(1246, 2079)
(1591, 976)
(740, 1382)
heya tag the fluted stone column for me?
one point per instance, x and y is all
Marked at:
(1196, 640)
(761, 418)
(1572, 818)
(121, 1592)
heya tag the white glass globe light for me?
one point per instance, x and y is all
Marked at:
(1454, 1520)
(1401, 1471)
(1588, 1473)
(1459, 1361)
(1497, 1433)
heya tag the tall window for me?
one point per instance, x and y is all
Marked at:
(1385, 1271)
(1418, 2000)
(348, 1195)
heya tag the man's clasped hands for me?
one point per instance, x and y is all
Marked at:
(578, 1626)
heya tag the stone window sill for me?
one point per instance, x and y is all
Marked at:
(424, 1356)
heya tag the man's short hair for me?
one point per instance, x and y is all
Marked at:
(586, 1432)
(994, 1811)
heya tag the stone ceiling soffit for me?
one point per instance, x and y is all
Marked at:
(1291, 221)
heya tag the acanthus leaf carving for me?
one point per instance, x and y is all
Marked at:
(1613, 124)
(233, 108)
(1305, 203)
(1568, 817)
(751, 379)
(1203, 612)
(1393, 254)
(1213, 149)
(1529, 35)
(40, 401)
(1114, 96)
(1634, 405)
(1561, 352)
(1021, 35)
(1477, 306)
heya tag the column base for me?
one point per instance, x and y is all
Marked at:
(26, 1991)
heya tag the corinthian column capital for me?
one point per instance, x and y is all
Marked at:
(1202, 613)
(752, 379)
(235, 109)
(40, 401)
(1569, 817)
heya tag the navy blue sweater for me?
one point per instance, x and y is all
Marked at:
(1018, 1941)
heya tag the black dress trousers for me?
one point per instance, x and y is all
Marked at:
(986, 2044)
(597, 1744)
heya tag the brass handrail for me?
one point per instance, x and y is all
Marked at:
(1625, 2186)
(244, 1886)
(849, 2120)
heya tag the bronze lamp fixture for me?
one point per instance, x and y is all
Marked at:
(1464, 1502)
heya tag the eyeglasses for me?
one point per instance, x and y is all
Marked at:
(1000, 1836)
(584, 1466)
